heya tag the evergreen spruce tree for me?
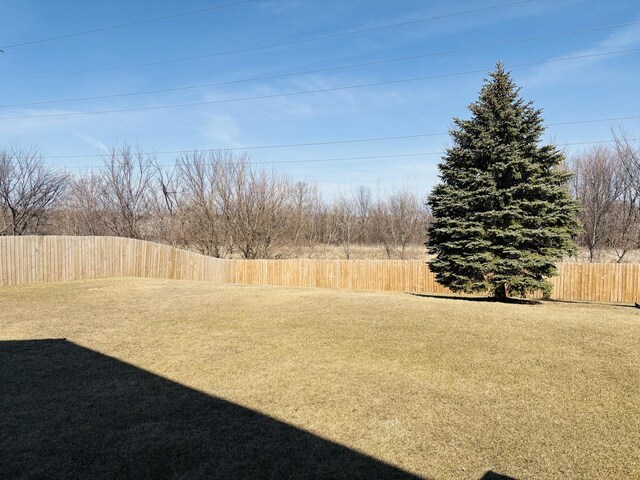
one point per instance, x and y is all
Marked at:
(502, 212)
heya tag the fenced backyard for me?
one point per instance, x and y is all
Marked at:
(160, 378)
(36, 259)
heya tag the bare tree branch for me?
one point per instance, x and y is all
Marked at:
(28, 190)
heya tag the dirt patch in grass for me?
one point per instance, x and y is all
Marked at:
(377, 383)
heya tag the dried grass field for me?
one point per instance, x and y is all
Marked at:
(133, 378)
(419, 252)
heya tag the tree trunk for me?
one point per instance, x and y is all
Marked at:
(500, 292)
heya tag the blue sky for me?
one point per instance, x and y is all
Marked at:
(589, 88)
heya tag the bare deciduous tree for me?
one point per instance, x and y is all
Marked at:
(255, 205)
(166, 223)
(307, 217)
(128, 187)
(84, 204)
(598, 184)
(28, 190)
(624, 235)
(363, 202)
(400, 220)
(201, 205)
(345, 222)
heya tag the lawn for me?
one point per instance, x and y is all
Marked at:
(133, 378)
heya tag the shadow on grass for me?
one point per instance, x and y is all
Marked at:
(490, 475)
(70, 412)
(593, 302)
(510, 300)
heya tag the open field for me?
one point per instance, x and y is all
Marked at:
(419, 252)
(179, 379)
(357, 252)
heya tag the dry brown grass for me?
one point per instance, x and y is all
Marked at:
(440, 388)
(419, 252)
(605, 256)
(336, 252)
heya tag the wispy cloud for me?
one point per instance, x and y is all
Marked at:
(35, 125)
(447, 23)
(623, 39)
(221, 131)
(276, 105)
(92, 141)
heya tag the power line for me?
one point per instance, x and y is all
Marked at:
(288, 145)
(612, 119)
(272, 45)
(340, 142)
(305, 92)
(592, 142)
(328, 69)
(123, 25)
(317, 160)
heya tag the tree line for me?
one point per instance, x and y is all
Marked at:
(213, 202)
(606, 182)
(219, 204)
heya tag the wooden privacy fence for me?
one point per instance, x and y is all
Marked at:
(34, 259)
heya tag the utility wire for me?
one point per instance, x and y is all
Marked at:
(290, 161)
(288, 145)
(269, 46)
(320, 70)
(338, 142)
(317, 160)
(123, 25)
(322, 90)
